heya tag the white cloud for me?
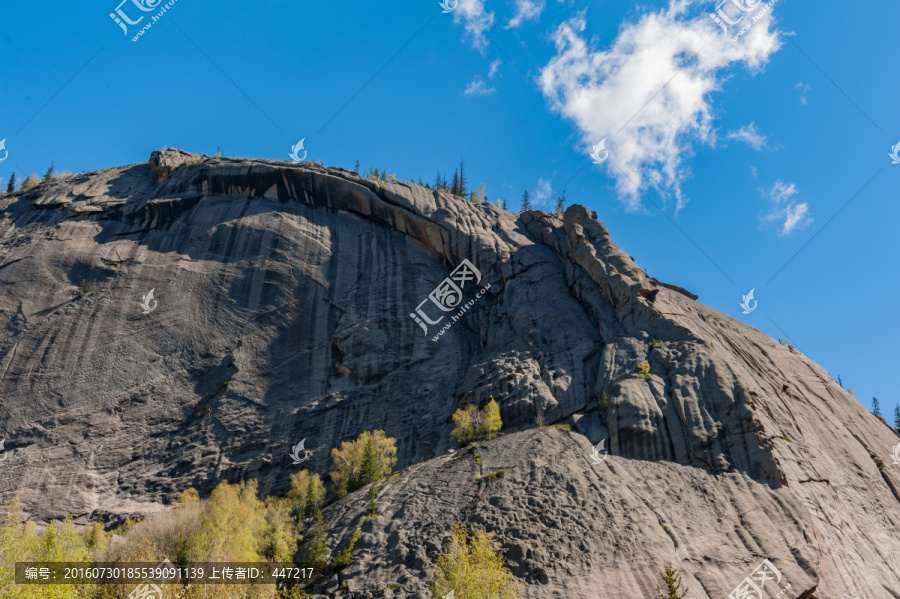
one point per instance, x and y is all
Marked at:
(477, 21)
(803, 89)
(541, 194)
(478, 88)
(526, 10)
(792, 215)
(749, 135)
(668, 62)
(495, 68)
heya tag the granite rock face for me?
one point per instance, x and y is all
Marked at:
(287, 302)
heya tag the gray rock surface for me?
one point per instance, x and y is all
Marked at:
(284, 297)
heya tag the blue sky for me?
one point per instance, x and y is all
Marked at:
(763, 161)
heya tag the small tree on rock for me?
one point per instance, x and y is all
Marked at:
(526, 202)
(370, 457)
(472, 568)
(876, 407)
(473, 424)
(672, 580)
(11, 187)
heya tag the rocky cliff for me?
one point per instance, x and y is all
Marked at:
(295, 302)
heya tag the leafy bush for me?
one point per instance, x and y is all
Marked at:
(473, 568)
(672, 580)
(644, 371)
(343, 559)
(473, 424)
(369, 458)
(477, 456)
(373, 504)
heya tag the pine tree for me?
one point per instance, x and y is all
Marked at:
(454, 188)
(420, 182)
(357, 167)
(437, 180)
(673, 583)
(526, 202)
(316, 555)
(312, 501)
(561, 204)
(368, 467)
(12, 184)
(383, 177)
(876, 407)
(374, 174)
(504, 205)
(49, 172)
(357, 463)
(897, 419)
(462, 179)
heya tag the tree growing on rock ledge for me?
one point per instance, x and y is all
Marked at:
(473, 424)
(357, 463)
(471, 568)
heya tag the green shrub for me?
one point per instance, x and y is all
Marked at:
(471, 567)
(343, 559)
(493, 476)
(373, 505)
(644, 371)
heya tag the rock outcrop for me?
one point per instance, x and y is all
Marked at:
(281, 311)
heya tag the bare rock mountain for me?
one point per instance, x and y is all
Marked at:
(295, 302)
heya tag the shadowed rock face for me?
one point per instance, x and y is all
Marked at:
(285, 295)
